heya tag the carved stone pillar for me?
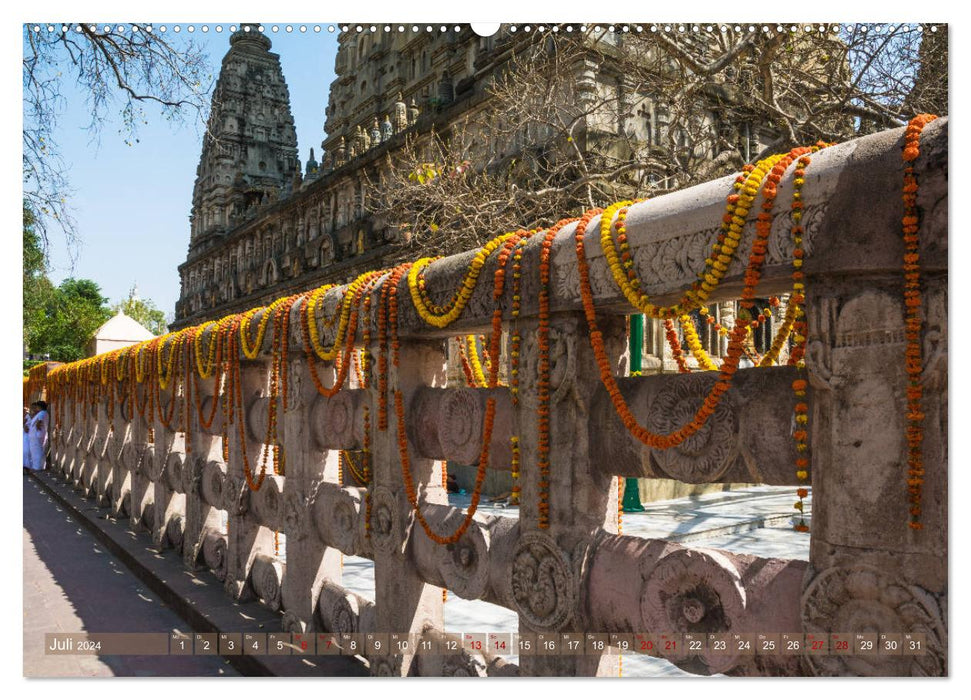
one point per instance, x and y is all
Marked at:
(137, 454)
(247, 536)
(201, 516)
(101, 486)
(869, 569)
(549, 566)
(89, 462)
(165, 472)
(405, 603)
(310, 563)
(120, 435)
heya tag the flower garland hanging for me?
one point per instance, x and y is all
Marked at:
(729, 366)
(913, 302)
(543, 378)
(443, 315)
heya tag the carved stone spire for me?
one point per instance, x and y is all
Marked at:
(251, 146)
(412, 112)
(312, 165)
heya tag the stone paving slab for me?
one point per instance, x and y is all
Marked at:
(72, 584)
(197, 597)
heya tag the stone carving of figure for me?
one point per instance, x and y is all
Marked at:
(362, 141)
(326, 251)
(400, 114)
(341, 152)
(375, 133)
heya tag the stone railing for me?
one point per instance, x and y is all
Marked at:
(868, 570)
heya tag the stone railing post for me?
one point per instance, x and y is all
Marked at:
(248, 536)
(549, 565)
(202, 517)
(310, 563)
(101, 478)
(405, 604)
(167, 529)
(120, 436)
(137, 454)
(869, 570)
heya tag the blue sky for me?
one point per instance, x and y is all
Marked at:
(131, 203)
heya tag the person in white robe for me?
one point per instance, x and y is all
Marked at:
(37, 435)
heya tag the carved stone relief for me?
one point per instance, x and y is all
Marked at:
(543, 585)
(707, 454)
(862, 598)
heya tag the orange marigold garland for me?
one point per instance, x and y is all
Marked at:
(516, 492)
(464, 361)
(515, 338)
(490, 412)
(730, 364)
(914, 319)
(672, 337)
(543, 379)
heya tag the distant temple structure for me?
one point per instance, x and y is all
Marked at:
(262, 226)
(119, 331)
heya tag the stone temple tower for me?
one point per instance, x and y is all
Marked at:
(249, 155)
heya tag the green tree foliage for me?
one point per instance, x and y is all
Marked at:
(145, 312)
(72, 313)
(37, 288)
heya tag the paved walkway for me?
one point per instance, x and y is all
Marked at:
(72, 585)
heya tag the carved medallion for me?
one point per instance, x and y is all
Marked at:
(215, 554)
(543, 586)
(707, 454)
(338, 611)
(465, 565)
(268, 585)
(862, 598)
(333, 421)
(174, 532)
(694, 591)
(267, 503)
(213, 480)
(385, 528)
(257, 419)
(236, 495)
(460, 426)
(173, 471)
(341, 523)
